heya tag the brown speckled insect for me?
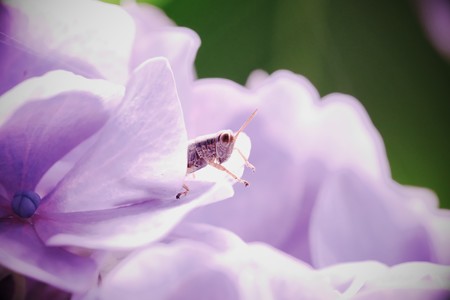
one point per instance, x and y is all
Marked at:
(214, 149)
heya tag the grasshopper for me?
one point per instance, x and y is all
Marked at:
(214, 149)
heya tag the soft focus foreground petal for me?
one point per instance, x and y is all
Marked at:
(15, 286)
(125, 227)
(438, 221)
(156, 35)
(38, 36)
(5, 210)
(372, 280)
(297, 140)
(40, 291)
(140, 153)
(187, 269)
(23, 252)
(358, 219)
(43, 119)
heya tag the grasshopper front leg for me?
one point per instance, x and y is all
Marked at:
(222, 168)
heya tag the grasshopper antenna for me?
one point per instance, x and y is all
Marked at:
(246, 123)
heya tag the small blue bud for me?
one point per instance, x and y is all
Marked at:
(24, 204)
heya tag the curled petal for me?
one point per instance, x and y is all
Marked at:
(140, 154)
(372, 280)
(156, 35)
(57, 112)
(23, 252)
(125, 227)
(218, 238)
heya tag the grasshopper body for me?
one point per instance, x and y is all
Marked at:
(214, 149)
(211, 148)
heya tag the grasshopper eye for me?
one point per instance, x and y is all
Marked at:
(225, 138)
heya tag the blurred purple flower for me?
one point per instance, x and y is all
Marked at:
(435, 15)
(323, 190)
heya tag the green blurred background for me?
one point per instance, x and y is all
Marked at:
(376, 51)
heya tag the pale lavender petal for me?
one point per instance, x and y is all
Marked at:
(46, 35)
(373, 280)
(438, 222)
(23, 252)
(410, 293)
(216, 237)
(43, 119)
(356, 218)
(156, 35)
(187, 269)
(297, 139)
(125, 227)
(140, 153)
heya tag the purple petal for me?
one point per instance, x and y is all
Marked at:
(40, 291)
(371, 280)
(49, 35)
(297, 140)
(140, 153)
(156, 35)
(185, 269)
(216, 237)
(356, 218)
(58, 111)
(23, 252)
(438, 222)
(435, 16)
(5, 210)
(125, 227)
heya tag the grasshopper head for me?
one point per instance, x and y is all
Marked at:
(225, 145)
(226, 140)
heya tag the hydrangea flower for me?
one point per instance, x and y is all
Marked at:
(75, 165)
